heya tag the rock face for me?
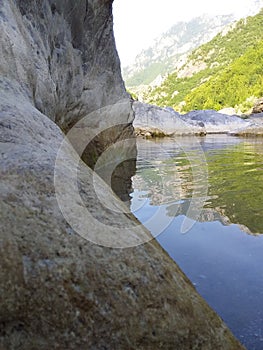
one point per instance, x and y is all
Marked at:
(151, 121)
(64, 60)
(58, 290)
(64, 56)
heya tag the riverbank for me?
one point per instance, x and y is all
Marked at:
(152, 121)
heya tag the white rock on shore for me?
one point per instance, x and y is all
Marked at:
(155, 121)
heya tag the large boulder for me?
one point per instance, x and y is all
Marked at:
(153, 121)
(62, 290)
(215, 122)
(63, 282)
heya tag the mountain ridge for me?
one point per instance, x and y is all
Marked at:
(169, 51)
(209, 62)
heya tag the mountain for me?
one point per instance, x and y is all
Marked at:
(170, 50)
(238, 85)
(227, 71)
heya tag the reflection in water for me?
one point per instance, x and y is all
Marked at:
(235, 178)
(218, 255)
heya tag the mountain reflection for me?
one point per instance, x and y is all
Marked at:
(166, 175)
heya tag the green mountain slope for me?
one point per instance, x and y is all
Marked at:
(233, 86)
(172, 46)
(222, 73)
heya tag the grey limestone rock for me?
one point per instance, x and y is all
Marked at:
(162, 121)
(158, 121)
(60, 289)
(215, 122)
(228, 111)
(63, 58)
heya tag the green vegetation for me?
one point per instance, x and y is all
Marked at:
(147, 75)
(170, 47)
(173, 91)
(234, 85)
(235, 186)
(133, 95)
(236, 192)
(232, 75)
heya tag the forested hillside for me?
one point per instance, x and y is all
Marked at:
(171, 48)
(226, 72)
(236, 85)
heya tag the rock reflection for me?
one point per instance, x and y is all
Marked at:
(235, 178)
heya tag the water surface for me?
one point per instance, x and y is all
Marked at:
(202, 199)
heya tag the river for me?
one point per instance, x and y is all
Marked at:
(201, 197)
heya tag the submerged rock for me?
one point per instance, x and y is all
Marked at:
(65, 288)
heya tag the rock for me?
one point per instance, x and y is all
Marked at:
(191, 68)
(258, 107)
(166, 122)
(256, 117)
(228, 111)
(215, 122)
(63, 283)
(64, 60)
(162, 121)
(59, 290)
(255, 128)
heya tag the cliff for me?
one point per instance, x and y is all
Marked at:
(64, 284)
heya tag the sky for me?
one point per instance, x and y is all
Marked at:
(138, 22)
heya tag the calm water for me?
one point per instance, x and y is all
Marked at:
(202, 199)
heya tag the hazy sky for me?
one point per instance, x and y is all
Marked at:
(138, 22)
